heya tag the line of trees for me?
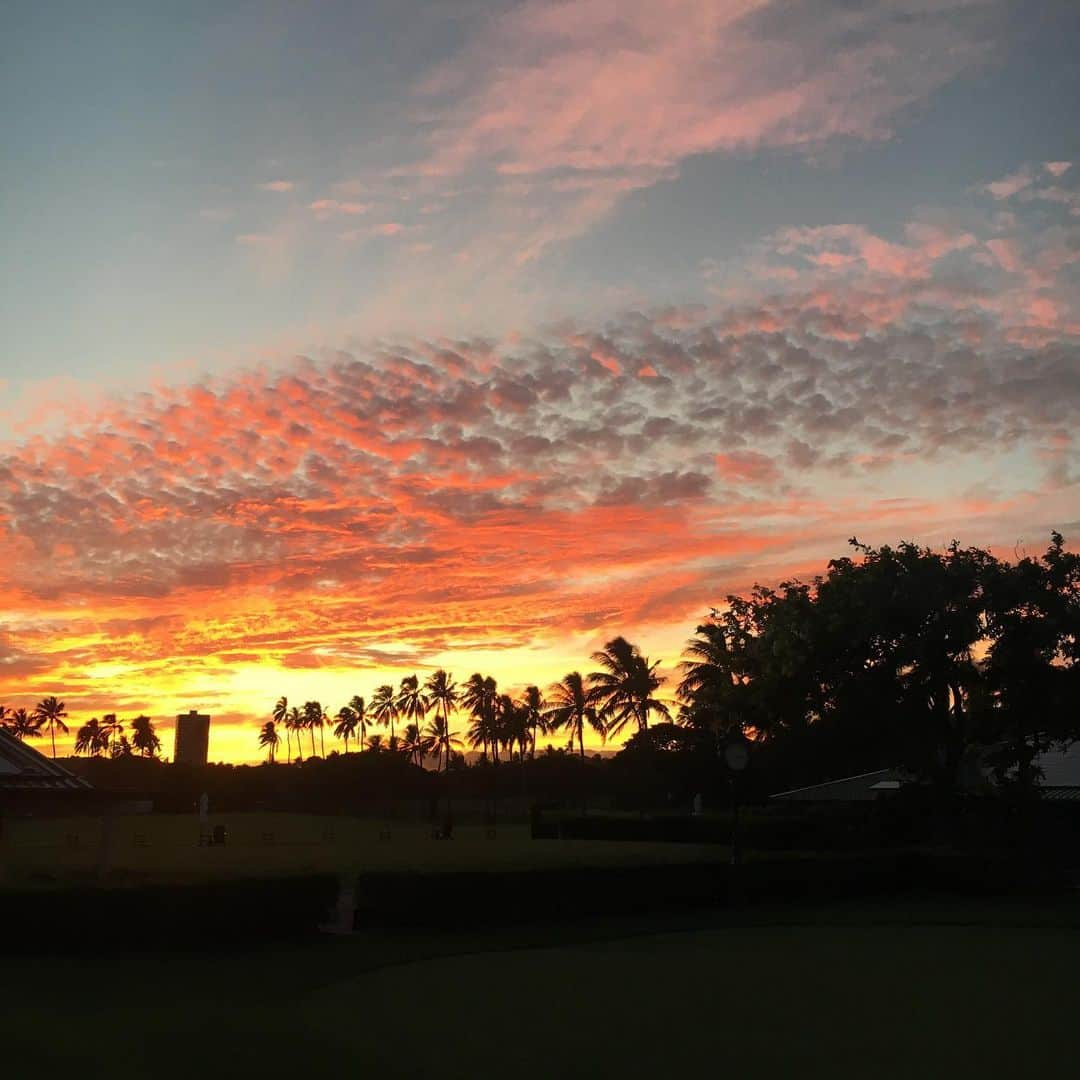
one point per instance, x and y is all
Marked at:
(621, 692)
(95, 738)
(944, 662)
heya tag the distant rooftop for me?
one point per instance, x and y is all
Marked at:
(22, 768)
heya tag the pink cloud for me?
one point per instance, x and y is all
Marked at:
(1057, 168)
(325, 208)
(1009, 185)
(588, 100)
(279, 186)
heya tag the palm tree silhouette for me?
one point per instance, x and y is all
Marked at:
(281, 718)
(23, 725)
(411, 702)
(375, 744)
(623, 689)
(479, 696)
(347, 721)
(294, 721)
(416, 744)
(384, 707)
(91, 738)
(112, 728)
(144, 738)
(356, 703)
(269, 738)
(570, 706)
(442, 693)
(314, 717)
(534, 705)
(50, 713)
(442, 739)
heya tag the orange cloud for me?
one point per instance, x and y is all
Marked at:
(343, 520)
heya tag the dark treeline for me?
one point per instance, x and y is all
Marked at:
(953, 664)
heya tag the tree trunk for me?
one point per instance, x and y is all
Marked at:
(52, 732)
(581, 747)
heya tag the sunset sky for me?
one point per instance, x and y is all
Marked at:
(348, 340)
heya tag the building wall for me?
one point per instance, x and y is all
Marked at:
(192, 738)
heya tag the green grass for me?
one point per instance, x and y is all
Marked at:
(915, 989)
(164, 848)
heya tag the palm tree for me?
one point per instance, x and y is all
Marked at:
(113, 729)
(347, 721)
(479, 697)
(91, 738)
(269, 738)
(4, 714)
(144, 738)
(507, 723)
(443, 740)
(356, 703)
(570, 706)
(534, 704)
(281, 717)
(623, 690)
(416, 744)
(50, 713)
(384, 707)
(121, 749)
(411, 702)
(22, 725)
(375, 744)
(443, 694)
(315, 717)
(294, 721)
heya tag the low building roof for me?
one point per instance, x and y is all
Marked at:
(22, 768)
(862, 788)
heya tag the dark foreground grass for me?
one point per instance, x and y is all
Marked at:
(923, 988)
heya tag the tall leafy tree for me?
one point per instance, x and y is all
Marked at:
(624, 687)
(113, 728)
(384, 707)
(416, 744)
(479, 696)
(269, 739)
(356, 703)
(533, 704)
(442, 692)
(347, 723)
(295, 722)
(570, 706)
(91, 739)
(412, 704)
(144, 738)
(23, 725)
(441, 739)
(281, 717)
(50, 714)
(315, 717)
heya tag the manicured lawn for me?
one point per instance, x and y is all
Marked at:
(946, 989)
(164, 847)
